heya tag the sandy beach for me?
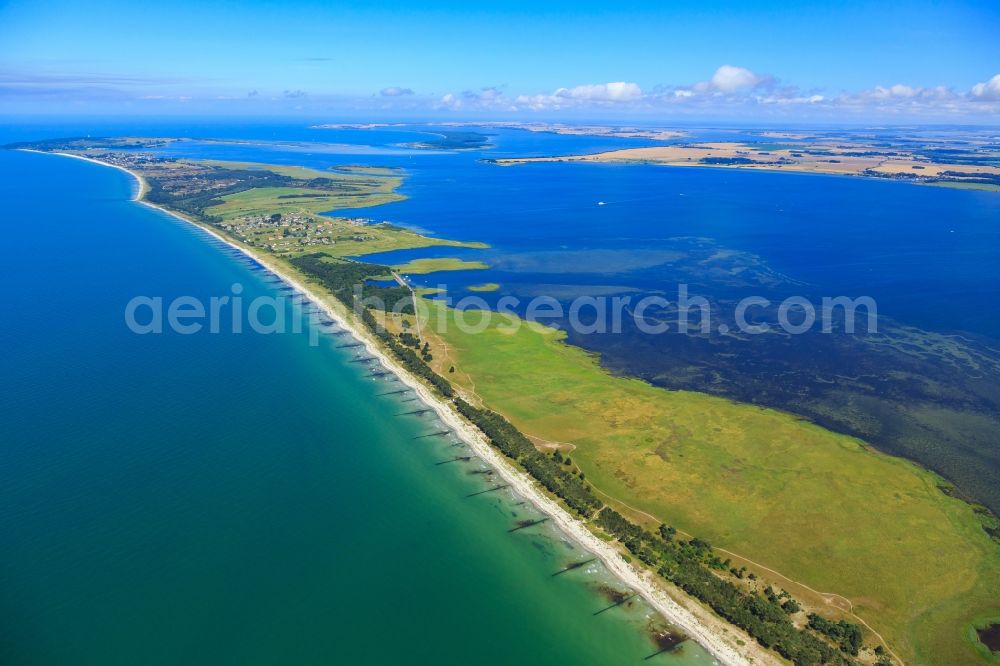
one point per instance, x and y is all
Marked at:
(727, 644)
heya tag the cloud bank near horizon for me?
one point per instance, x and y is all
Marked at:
(731, 90)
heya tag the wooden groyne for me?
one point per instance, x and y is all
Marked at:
(524, 524)
(489, 490)
(573, 566)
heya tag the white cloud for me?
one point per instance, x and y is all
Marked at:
(730, 79)
(618, 91)
(988, 91)
(598, 94)
(484, 95)
(395, 91)
(449, 101)
(779, 99)
(896, 91)
(904, 95)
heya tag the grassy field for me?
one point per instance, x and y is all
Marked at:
(310, 231)
(985, 187)
(485, 287)
(820, 508)
(421, 266)
(339, 173)
(267, 199)
(368, 170)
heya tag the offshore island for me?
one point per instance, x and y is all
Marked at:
(841, 585)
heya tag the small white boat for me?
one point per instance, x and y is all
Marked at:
(600, 203)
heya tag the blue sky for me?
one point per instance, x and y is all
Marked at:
(903, 61)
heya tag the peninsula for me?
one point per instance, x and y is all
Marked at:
(749, 529)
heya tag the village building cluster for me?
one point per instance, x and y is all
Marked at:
(292, 232)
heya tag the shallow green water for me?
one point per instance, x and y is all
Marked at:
(222, 498)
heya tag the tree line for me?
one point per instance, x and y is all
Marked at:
(512, 443)
(342, 279)
(689, 564)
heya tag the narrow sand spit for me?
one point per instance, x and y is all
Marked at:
(714, 634)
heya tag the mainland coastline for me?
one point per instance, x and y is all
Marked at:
(843, 158)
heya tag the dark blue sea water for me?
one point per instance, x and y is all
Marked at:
(225, 498)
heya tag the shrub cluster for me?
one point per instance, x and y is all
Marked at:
(513, 444)
(407, 356)
(688, 565)
(846, 635)
(340, 277)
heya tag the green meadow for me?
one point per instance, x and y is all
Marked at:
(340, 174)
(346, 190)
(823, 509)
(421, 266)
(485, 287)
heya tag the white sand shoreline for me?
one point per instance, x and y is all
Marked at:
(714, 634)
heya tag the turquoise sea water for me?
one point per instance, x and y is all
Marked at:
(225, 498)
